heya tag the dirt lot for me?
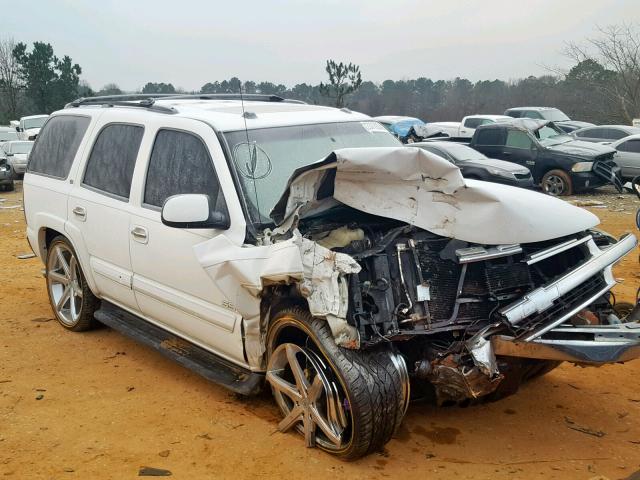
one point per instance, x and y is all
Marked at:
(98, 405)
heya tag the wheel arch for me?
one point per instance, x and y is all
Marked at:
(46, 236)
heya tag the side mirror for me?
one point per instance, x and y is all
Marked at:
(9, 154)
(18, 129)
(193, 210)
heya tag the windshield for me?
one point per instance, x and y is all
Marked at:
(264, 170)
(21, 147)
(8, 136)
(462, 152)
(554, 115)
(34, 122)
(551, 135)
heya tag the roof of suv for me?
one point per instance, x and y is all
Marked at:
(227, 115)
(537, 109)
(521, 123)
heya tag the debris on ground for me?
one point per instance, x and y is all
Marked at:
(25, 256)
(579, 428)
(153, 472)
(164, 453)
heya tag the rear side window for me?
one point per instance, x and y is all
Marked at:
(518, 139)
(594, 133)
(180, 163)
(490, 136)
(113, 158)
(632, 146)
(616, 134)
(532, 114)
(472, 122)
(513, 113)
(57, 145)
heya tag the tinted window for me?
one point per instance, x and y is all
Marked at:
(632, 146)
(532, 114)
(473, 122)
(437, 151)
(513, 113)
(113, 158)
(180, 163)
(518, 139)
(57, 144)
(616, 133)
(491, 136)
(594, 133)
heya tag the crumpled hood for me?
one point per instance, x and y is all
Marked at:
(497, 164)
(582, 149)
(422, 189)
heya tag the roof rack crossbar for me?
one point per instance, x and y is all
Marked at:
(148, 99)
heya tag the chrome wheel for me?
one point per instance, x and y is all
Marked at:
(63, 281)
(554, 185)
(308, 396)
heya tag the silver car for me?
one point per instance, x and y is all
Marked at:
(627, 155)
(17, 155)
(604, 133)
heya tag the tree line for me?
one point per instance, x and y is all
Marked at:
(603, 86)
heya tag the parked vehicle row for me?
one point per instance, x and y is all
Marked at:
(305, 249)
(14, 156)
(554, 115)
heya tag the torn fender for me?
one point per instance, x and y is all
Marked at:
(422, 189)
(242, 273)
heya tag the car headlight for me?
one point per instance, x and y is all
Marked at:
(501, 173)
(582, 167)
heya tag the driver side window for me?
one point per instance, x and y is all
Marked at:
(518, 139)
(179, 164)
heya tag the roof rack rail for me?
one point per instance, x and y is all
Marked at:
(144, 101)
(147, 100)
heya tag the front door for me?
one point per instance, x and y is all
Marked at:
(171, 287)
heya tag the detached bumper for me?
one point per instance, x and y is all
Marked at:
(596, 344)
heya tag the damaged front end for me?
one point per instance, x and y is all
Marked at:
(465, 279)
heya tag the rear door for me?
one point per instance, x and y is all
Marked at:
(171, 286)
(99, 207)
(490, 141)
(628, 157)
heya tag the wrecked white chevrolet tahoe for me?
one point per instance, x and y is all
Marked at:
(271, 242)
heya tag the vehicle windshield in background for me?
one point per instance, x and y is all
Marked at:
(554, 115)
(273, 154)
(551, 135)
(462, 152)
(34, 122)
(8, 136)
(21, 147)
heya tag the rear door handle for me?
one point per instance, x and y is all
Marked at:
(80, 212)
(140, 234)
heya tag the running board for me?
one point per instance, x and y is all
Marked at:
(187, 354)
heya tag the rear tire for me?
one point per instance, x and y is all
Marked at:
(557, 183)
(70, 297)
(365, 393)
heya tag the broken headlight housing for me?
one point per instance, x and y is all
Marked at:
(582, 167)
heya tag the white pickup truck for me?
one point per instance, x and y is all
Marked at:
(468, 125)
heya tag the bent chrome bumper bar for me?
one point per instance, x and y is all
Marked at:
(543, 297)
(597, 344)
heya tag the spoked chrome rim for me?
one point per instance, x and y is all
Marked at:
(554, 185)
(308, 397)
(63, 280)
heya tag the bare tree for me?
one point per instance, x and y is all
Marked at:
(617, 49)
(343, 80)
(9, 80)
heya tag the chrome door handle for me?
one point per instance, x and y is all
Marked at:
(140, 234)
(80, 212)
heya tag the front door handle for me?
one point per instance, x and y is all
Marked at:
(140, 234)
(80, 212)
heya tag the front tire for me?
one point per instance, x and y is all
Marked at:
(557, 183)
(346, 402)
(70, 298)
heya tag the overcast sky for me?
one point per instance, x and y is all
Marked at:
(191, 42)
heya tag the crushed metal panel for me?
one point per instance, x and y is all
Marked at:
(242, 272)
(422, 189)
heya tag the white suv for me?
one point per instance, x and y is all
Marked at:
(303, 246)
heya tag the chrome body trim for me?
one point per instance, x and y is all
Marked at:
(556, 249)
